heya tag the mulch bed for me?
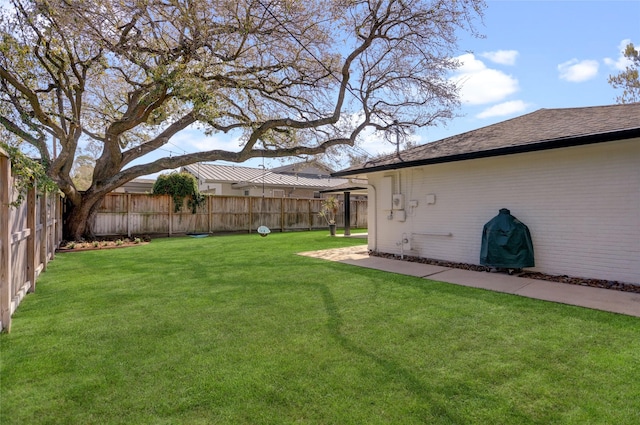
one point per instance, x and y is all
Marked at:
(80, 246)
(598, 283)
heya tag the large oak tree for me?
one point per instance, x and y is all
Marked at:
(292, 77)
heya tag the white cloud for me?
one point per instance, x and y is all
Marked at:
(576, 71)
(621, 62)
(374, 142)
(193, 139)
(479, 84)
(503, 57)
(503, 109)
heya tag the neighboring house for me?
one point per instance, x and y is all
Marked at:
(137, 186)
(305, 169)
(294, 181)
(571, 175)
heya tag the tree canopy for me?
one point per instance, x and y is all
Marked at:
(291, 77)
(628, 80)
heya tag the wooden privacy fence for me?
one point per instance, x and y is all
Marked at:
(143, 214)
(29, 236)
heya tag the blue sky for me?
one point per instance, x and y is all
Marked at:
(535, 54)
(541, 54)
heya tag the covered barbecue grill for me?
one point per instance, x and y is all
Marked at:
(506, 243)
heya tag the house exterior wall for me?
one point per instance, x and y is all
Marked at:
(228, 189)
(581, 204)
(289, 192)
(219, 188)
(136, 186)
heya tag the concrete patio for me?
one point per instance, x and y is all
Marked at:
(584, 296)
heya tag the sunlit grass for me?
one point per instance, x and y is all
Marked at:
(240, 330)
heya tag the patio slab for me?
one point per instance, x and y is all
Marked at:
(584, 296)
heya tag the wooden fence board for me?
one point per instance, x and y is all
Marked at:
(29, 236)
(143, 214)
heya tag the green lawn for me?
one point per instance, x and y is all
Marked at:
(240, 330)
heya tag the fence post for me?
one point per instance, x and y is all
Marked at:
(210, 215)
(170, 214)
(52, 237)
(44, 249)
(57, 221)
(5, 247)
(31, 239)
(250, 213)
(282, 215)
(129, 215)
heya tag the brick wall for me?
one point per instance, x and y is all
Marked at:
(581, 204)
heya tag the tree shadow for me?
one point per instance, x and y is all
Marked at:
(393, 369)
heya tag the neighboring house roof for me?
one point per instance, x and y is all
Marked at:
(539, 130)
(308, 168)
(139, 185)
(223, 173)
(247, 176)
(279, 179)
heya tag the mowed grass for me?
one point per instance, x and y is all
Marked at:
(241, 330)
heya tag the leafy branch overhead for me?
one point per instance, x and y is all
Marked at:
(284, 78)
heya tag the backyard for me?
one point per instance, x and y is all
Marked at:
(241, 330)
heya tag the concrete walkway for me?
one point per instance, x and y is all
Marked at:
(585, 296)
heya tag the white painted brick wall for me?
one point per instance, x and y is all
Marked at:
(581, 204)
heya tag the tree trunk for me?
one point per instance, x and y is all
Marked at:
(78, 218)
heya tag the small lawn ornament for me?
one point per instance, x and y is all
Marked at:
(328, 211)
(263, 230)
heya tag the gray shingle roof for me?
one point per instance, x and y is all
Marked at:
(542, 129)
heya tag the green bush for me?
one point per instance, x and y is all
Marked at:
(179, 186)
(27, 172)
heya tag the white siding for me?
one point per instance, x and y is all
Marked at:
(581, 204)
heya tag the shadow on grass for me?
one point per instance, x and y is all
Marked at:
(393, 369)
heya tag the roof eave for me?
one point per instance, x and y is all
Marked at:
(345, 189)
(564, 142)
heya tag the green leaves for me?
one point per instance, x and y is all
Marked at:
(628, 80)
(28, 173)
(329, 209)
(179, 186)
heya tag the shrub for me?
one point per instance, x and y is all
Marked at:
(27, 172)
(329, 209)
(179, 186)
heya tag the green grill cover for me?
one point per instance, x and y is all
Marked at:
(506, 243)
